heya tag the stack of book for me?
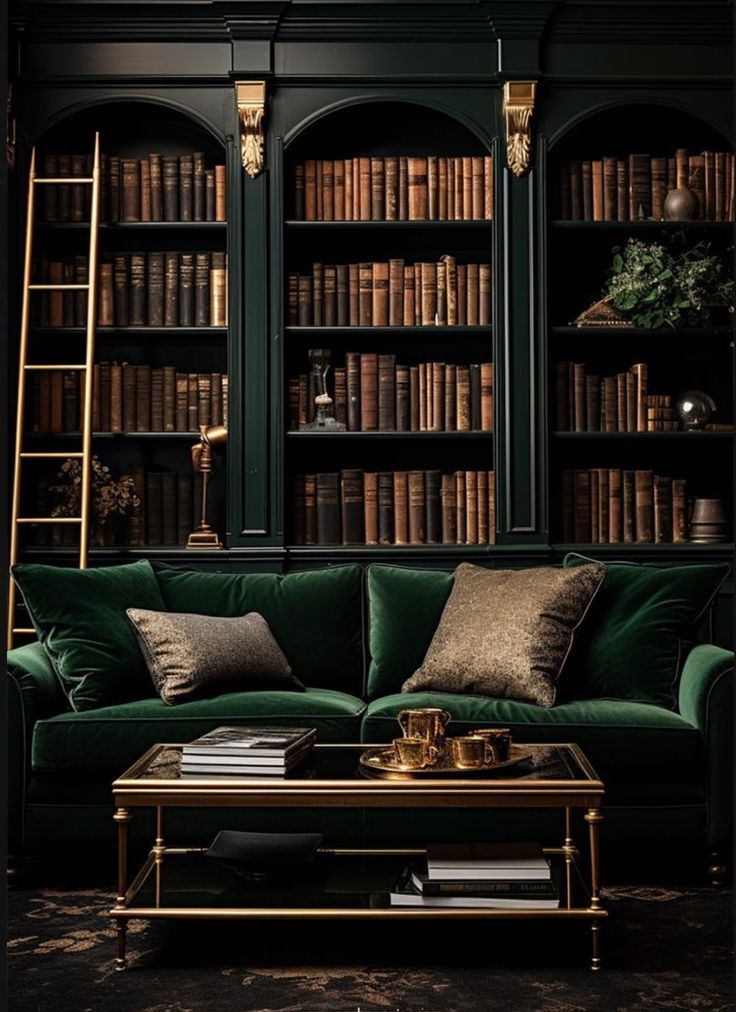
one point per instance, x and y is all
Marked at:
(375, 393)
(391, 294)
(587, 402)
(157, 188)
(354, 507)
(394, 188)
(247, 751)
(605, 505)
(634, 187)
(510, 876)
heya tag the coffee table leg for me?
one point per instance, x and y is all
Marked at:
(122, 817)
(568, 849)
(158, 851)
(594, 818)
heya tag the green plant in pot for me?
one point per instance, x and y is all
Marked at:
(656, 287)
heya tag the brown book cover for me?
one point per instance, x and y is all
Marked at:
(155, 290)
(385, 508)
(352, 369)
(77, 195)
(220, 194)
(477, 201)
(576, 191)
(414, 398)
(218, 291)
(581, 500)
(422, 391)
(449, 267)
(644, 506)
(403, 402)
(105, 299)
(181, 401)
(157, 399)
(595, 505)
(449, 510)
(113, 189)
(615, 505)
(593, 402)
(170, 180)
(409, 295)
(441, 283)
(640, 372)
(621, 402)
(143, 386)
(401, 507)
(459, 195)
(450, 405)
(484, 295)
(343, 308)
(157, 195)
(622, 190)
(116, 396)
(326, 195)
(578, 377)
(341, 395)
(417, 507)
(462, 399)
(169, 391)
(368, 391)
(353, 295)
(609, 189)
(329, 297)
(386, 393)
(304, 300)
(491, 507)
(486, 396)
(696, 181)
(460, 511)
(131, 180)
(596, 168)
(433, 188)
(417, 186)
(186, 289)
(121, 309)
(145, 183)
(609, 403)
(682, 165)
(364, 166)
(718, 211)
(192, 401)
(171, 289)
(355, 187)
(328, 508)
(482, 483)
(432, 507)
(467, 188)
(310, 190)
(365, 294)
(437, 421)
(659, 186)
(604, 504)
(186, 188)
(428, 301)
(663, 510)
(338, 184)
(679, 511)
(450, 189)
(442, 189)
(473, 295)
(462, 294)
(631, 403)
(395, 293)
(403, 212)
(378, 189)
(199, 187)
(586, 187)
(488, 187)
(671, 174)
(317, 293)
(471, 507)
(391, 183)
(370, 507)
(352, 507)
(640, 187)
(204, 398)
(310, 509)
(380, 294)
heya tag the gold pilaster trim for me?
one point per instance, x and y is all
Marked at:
(251, 101)
(518, 106)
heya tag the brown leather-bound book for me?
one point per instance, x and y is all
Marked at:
(563, 422)
(615, 505)
(696, 181)
(663, 510)
(450, 405)
(297, 508)
(157, 400)
(304, 300)
(449, 510)
(659, 186)
(385, 484)
(145, 184)
(341, 395)
(387, 393)
(186, 289)
(365, 199)
(341, 282)
(225, 398)
(671, 174)
(353, 295)
(593, 403)
(202, 294)
(609, 189)
(679, 510)
(417, 507)
(301, 396)
(581, 500)
(310, 190)
(730, 187)
(299, 203)
(395, 293)
(352, 372)
(567, 507)
(157, 195)
(473, 295)
(576, 191)
(486, 396)
(433, 188)
(450, 189)
(403, 206)
(460, 190)
(204, 398)
(181, 391)
(403, 404)
(586, 189)
(471, 507)
(414, 398)
(378, 189)
(608, 406)
(432, 507)
(131, 209)
(640, 187)
(491, 507)
(218, 291)
(171, 290)
(450, 267)
(460, 509)
(595, 505)
(564, 203)
(379, 312)
(142, 398)
(113, 189)
(436, 420)
(622, 190)
(328, 508)
(68, 296)
(484, 295)
(352, 507)
(682, 166)
(709, 161)
(121, 311)
(475, 396)
(365, 294)
(80, 297)
(338, 183)
(604, 504)
(390, 168)
(442, 189)
(348, 184)
(186, 188)
(644, 506)
(352, 166)
(155, 289)
(718, 210)
(368, 391)
(310, 509)
(169, 394)
(621, 402)
(77, 196)
(170, 180)
(317, 295)
(409, 296)
(192, 401)
(370, 508)
(329, 299)
(476, 204)
(482, 485)
(441, 283)
(220, 193)
(401, 507)
(115, 378)
(424, 380)
(104, 299)
(629, 422)
(417, 185)
(428, 294)
(488, 187)
(326, 196)
(292, 300)
(127, 398)
(462, 398)
(597, 184)
(640, 371)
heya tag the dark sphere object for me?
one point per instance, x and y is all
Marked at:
(680, 205)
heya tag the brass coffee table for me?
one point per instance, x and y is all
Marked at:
(347, 883)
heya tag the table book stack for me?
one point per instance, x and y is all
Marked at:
(505, 876)
(247, 751)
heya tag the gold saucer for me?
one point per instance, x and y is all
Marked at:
(381, 762)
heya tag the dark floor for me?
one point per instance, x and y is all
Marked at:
(664, 947)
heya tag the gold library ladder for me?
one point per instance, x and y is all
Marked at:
(85, 369)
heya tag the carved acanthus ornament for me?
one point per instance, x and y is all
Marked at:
(518, 106)
(251, 100)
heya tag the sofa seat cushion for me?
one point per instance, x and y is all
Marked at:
(640, 751)
(113, 737)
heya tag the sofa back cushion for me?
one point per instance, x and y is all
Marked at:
(79, 617)
(405, 606)
(316, 617)
(638, 631)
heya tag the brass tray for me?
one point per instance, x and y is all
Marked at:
(381, 762)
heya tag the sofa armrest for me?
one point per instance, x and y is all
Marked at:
(706, 701)
(33, 692)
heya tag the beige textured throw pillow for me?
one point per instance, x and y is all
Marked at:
(193, 656)
(506, 633)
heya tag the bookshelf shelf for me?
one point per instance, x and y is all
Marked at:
(395, 226)
(683, 436)
(423, 330)
(641, 226)
(472, 434)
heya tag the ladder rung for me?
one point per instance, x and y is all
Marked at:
(51, 456)
(48, 520)
(24, 632)
(69, 180)
(55, 367)
(58, 288)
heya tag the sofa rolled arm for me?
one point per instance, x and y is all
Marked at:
(706, 701)
(30, 668)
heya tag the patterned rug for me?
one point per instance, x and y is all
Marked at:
(662, 949)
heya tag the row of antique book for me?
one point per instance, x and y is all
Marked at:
(610, 506)
(169, 502)
(355, 507)
(157, 188)
(138, 290)
(587, 402)
(372, 392)
(391, 294)
(394, 188)
(635, 187)
(129, 398)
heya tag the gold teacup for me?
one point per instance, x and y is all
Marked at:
(471, 752)
(415, 753)
(499, 738)
(428, 723)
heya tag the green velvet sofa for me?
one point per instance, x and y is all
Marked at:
(353, 636)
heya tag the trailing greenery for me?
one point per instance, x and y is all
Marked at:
(656, 287)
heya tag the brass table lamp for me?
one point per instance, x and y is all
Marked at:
(203, 458)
